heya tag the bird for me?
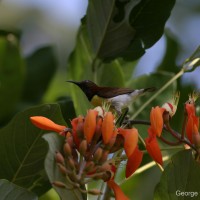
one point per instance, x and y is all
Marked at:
(118, 98)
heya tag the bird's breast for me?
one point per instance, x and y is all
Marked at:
(97, 101)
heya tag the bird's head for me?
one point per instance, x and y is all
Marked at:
(87, 86)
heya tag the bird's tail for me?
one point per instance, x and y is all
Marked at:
(150, 89)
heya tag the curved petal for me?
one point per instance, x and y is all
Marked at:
(130, 139)
(90, 125)
(119, 195)
(46, 124)
(77, 127)
(153, 148)
(107, 127)
(156, 119)
(190, 109)
(192, 127)
(133, 162)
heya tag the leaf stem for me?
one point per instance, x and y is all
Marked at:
(179, 74)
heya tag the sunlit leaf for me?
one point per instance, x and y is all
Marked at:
(180, 175)
(56, 144)
(10, 191)
(22, 150)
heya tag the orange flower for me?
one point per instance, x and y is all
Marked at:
(46, 124)
(156, 119)
(90, 125)
(107, 127)
(153, 147)
(190, 109)
(119, 195)
(192, 127)
(130, 140)
(133, 162)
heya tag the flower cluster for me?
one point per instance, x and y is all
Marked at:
(88, 145)
(92, 140)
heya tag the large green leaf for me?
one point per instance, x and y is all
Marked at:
(56, 144)
(12, 72)
(41, 67)
(10, 191)
(22, 150)
(181, 175)
(126, 28)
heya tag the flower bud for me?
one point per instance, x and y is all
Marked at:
(62, 169)
(95, 192)
(98, 132)
(71, 163)
(59, 184)
(70, 141)
(59, 158)
(90, 125)
(83, 147)
(79, 128)
(98, 154)
(67, 149)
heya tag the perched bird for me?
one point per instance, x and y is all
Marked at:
(118, 98)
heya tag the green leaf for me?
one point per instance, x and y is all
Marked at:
(10, 191)
(109, 36)
(126, 28)
(80, 67)
(41, 67)
(181, 174)
(67, 109)
(12, 72)
(56, 144)
(22, 150)
(108, 70)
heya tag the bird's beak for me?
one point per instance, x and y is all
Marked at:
(74, 82)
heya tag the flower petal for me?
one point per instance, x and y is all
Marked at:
(90, 125)
(133, 162)
(107, 127)
(46, 124)
(153, 147)
(119, 195)
(192, 127)
(156, 119)
(190, 109)
(77, 126)
(130, 139)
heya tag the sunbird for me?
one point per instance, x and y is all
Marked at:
(118, 98)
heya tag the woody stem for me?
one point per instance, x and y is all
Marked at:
(179, 137)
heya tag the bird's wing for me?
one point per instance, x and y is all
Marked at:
(109, 92)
